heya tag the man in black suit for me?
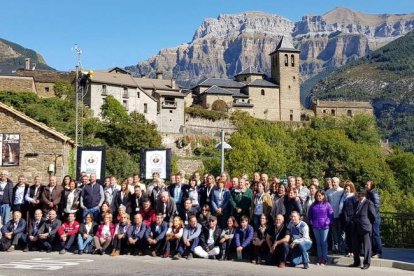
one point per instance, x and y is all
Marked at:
(137, 200)
(48, 232)
(33, 196)
(363, 219)
(188, 211)
(156, 235)
(209, 240)
(32, 240)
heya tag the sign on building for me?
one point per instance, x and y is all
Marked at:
(155, 160)
(9, 149)
(91, 160)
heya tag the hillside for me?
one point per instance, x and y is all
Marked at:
(224, 46)
(12, 57)
(385, 77)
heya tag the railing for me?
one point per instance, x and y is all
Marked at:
(169, 104)
(397, 229)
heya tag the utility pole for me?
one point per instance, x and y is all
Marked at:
(222, 146)
(78, 100)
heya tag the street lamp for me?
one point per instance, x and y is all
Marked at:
(222, 145)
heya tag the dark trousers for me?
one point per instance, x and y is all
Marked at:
(260, 251)
(362, 238)
(376, 237)
(138, 247)
(349, 231)
(228, 247)
(171, 247)
(158, 247)
(48, 244)
(68, 243)
(120, 244)
(280, 254)
(185, 250)
(5, 243)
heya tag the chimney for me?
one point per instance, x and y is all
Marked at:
(172, 83)
(27, 64)
(159, 75)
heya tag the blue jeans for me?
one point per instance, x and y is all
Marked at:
(184, 250)
(321, 236)
(300, 253)
(5, 213)
(95, 212)
(82, 243)
(376, 237)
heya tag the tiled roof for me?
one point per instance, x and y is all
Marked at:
(227, 83)
(161, 84)
(285, 45)
(250, 71)
(242, 105)
(113, 78)
(40, 125)
(262, 83)
(215, 90)
(343, 104)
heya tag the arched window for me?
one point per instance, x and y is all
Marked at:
(263, 92)
(292, 60)
(286, 60)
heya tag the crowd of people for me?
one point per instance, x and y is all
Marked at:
(262, 220)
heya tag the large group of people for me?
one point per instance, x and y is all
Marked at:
(262, 220)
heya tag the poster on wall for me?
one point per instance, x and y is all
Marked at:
(91, 160)
(155, 160)
(10, 149)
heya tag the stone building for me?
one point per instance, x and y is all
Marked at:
(31, 148)
(341, 108)
(276, 98)
(29, 79)
(161, 101)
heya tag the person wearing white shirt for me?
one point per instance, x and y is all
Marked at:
(334, 196)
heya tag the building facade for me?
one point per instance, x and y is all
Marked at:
(341, 108)
(30, 148)
(276, 98)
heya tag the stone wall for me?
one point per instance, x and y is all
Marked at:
(38, 149)
(45, 89)
(13, 83)
(204, 126)
(266, 102)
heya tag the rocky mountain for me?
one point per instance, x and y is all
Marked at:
(224, 46)
(12, 57)
(386, 78)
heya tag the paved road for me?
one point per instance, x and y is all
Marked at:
(35, 263)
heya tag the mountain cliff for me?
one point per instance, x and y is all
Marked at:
(386, 78)
(12, 57)
(224, 46)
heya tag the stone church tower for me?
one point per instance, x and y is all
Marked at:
(285, 73)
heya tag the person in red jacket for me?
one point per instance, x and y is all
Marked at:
(149, 215)
(67, 233)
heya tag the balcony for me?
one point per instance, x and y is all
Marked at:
(169, 104)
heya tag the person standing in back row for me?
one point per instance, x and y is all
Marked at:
(92, 197)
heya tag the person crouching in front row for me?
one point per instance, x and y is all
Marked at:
(136, 235)
(277, 239)
(209, 240)
(12, 232)
(189, 240)
(243, 239)
(155, 236)
(104, 235)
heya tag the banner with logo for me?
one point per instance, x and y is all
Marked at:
(155, 160)
(91, 160)
(10, 149)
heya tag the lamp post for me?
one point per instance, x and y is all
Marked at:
(223, 145)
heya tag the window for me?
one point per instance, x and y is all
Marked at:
(125, 104)
(145, 108)
(286, 60)
(292, 60)
(171, 111)
(291, 111)
(349, 113)
(324, 111)
(294, 77)
(291, 117)
(333, 112)
(46, 89)
(138, 95)
(263, 92)
(104, 89)
(125, 92)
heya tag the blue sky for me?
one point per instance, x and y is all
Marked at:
(123, 32)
